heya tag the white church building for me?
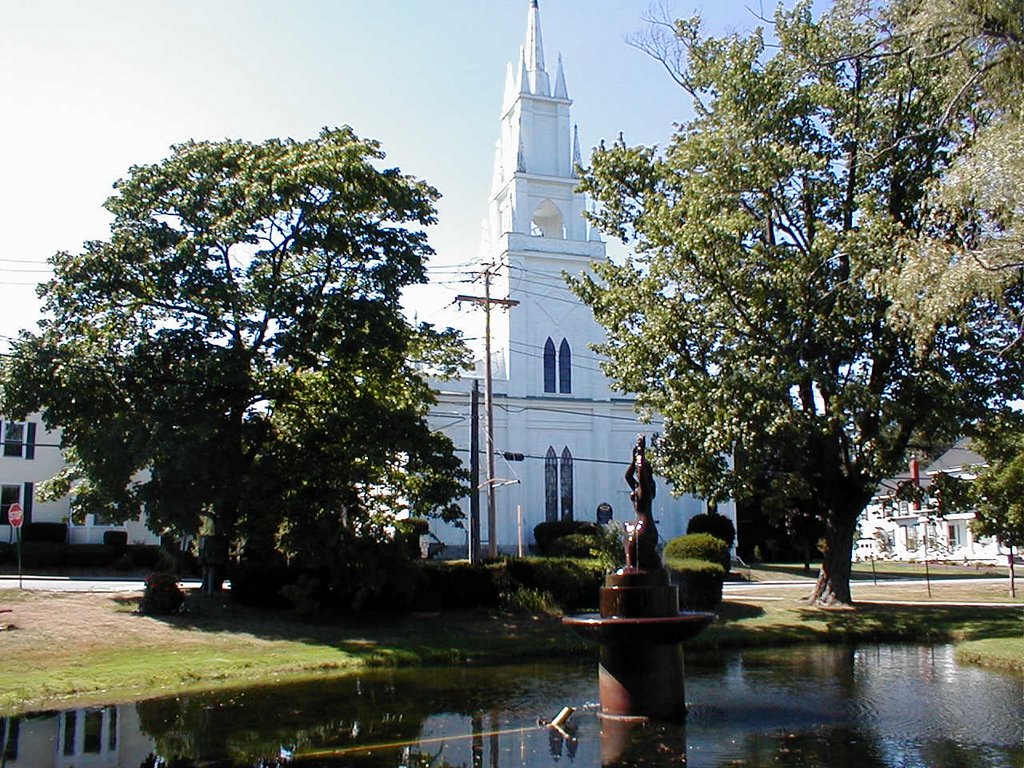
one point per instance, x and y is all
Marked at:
(551, 402)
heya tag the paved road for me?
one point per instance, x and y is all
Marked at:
(81, 583)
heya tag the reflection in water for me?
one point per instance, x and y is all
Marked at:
(873, 707)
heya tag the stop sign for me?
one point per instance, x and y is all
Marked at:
(15, 516)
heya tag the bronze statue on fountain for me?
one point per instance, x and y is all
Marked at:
(641, 534)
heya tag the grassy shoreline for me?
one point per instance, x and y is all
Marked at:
(68, 649)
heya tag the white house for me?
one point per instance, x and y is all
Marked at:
(31, 454)
(900, 530)
(551, 402)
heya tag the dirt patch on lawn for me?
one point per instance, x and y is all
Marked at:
(34, 620)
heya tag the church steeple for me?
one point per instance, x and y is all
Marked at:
(534, 54)
(534, 184)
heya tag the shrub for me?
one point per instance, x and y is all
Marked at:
(699, 583)
(698, 546)
(42, 554)
(717, 525)
(151, 556)
(546, 533)
(461, 585)
(162, 595)
(529, 601)
(51, 533)
(575, 545)
(408, 533)
(572, 583)
(118, 539)
(604, 544)
(263, 585)
(306, 594)
(90, 555)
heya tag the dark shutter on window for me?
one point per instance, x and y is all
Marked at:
(26, 501)
(30, 440)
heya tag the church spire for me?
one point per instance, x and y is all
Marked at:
(561, 92)
(534, 61)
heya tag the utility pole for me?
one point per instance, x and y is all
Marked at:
(474, 474)
(486, 302)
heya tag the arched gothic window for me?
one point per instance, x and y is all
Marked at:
(551, 485)
(549, 365)
(565, 469)
(564, 368)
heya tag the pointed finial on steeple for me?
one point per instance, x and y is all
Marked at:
(510, 89)
(577, 156)
(561, 92)
(539, 84)
(524, 75)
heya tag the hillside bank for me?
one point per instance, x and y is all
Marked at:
(72, 648)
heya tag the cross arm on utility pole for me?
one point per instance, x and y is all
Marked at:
(487, 301)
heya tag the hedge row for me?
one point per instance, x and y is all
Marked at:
(50, 554)
(699, 582)
(571, 584)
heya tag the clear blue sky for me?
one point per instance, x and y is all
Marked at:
(90, 88)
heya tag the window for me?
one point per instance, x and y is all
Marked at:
(14, 438)
(558, 503)
(551, 486)
(16, 494)
(565, 469)
(70, 725)
(564, 368)
(910, 537)
(19, 439)
(9, 494)
(88, 731)
(549, 365)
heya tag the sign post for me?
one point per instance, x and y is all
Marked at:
(15, 517)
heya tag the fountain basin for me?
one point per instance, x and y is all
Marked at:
(640, 631)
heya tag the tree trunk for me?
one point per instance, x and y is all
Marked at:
(833, 585)
(1013, 585)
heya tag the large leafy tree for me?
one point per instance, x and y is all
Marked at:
(235, 354)
(750, 316)
(979, 49)
(998, 491)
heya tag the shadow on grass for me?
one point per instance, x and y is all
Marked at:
(740, 626)
(386, 639)
(926, 624)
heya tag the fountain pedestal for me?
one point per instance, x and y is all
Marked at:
(640, 631)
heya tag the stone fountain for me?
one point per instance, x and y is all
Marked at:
(640, 628)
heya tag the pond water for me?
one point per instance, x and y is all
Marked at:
(892, 706)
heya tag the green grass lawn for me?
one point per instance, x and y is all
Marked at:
(880, 569)
(65, 649)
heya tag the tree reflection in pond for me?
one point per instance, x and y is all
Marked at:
(875, 707)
